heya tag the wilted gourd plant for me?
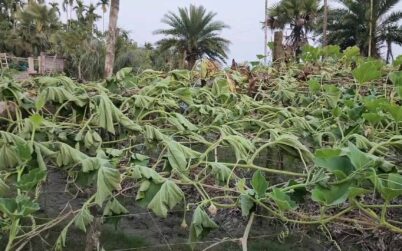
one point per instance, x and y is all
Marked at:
(336, 133)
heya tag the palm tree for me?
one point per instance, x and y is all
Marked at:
(193, 34)
(80, 8)
(104, 4)
(37, 22)
(299, 15)
(55, 7)
(111, 38)
(350, 25)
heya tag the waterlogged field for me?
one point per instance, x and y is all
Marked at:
(316, 144)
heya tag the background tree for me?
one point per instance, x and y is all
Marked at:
(104, 4)
(111, 38)
(194, 34)
(299, 15)
(349, 25)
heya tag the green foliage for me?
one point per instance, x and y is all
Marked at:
(368, 71)
(174, 145)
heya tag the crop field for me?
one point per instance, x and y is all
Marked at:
(316, 144)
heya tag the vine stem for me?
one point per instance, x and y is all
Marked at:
(268, 170)
(13, 233)
(244, 239)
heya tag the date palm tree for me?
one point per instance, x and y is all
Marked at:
(193, 34)
(349, 25)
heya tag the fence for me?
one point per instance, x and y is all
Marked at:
(42, 65)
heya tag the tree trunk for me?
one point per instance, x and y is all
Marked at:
(279, 53)
(389, 52)
(325, 25)
(370, 29)
(111, 38)
(266, 33)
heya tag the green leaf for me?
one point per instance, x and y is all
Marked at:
(19, 206)
(359, 159)
(178, 154)
(61, 240)
(24, 151)
(282, 200)
(259, 184)
(368, 71)
(166, 198)
(8, 157)
(40, 101)
(36, 120)
(333, 195)
(176, 157)
(220, 171)
(201, 225)
(31, 179)
(83, 218)
(3, 187)
(391, 188)
(143, 172)
(332, 160)
(113, 207)
(108, 180)
(246, 204)
(396, 79)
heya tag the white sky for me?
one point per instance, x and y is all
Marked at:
(142, 18)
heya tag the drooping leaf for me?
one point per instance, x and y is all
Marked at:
(220, 171)
(166, 199)
(246, 204)
(114, 207)
(83, 218)
(201, 225)
(108, 180)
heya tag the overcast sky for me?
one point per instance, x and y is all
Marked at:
(143, 17)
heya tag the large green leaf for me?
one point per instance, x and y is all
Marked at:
(359, 159)
(108, 180)
(166, 198)
(332, 160)
(368, 71)
(333, 195)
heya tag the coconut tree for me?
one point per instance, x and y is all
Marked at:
(193, 34)
(351, 23)
(299, 15)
